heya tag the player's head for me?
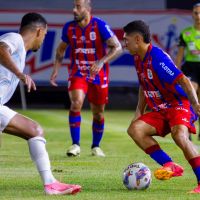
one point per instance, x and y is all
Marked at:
(36, 25)
(196, 13)
(136, 33)
(81, 10)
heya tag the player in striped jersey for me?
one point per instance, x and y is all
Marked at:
(172, 100)
(13, 49)
(87, 36)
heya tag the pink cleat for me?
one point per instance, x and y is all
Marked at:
(168, 171)
(58, 188)
(196, 190)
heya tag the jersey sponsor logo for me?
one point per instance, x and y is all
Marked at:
(152, 94)
(93, 36)
(185, 120)
(181, 108)
(85, 51)
(166, 68)
(149, 74)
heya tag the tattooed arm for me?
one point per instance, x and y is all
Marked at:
(60, 51)
(191, 93)
(115, 49)
(7, 61)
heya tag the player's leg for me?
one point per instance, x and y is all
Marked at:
(142, 130)
(198, 93)
(30, 130)
(180, 135)
(98, 98)
(196, 86)
(77, 90)
(97, 129)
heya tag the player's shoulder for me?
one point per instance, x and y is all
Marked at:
(11, 35)
(158, 53)
(69, 23)
(189, 28)
(98, 20)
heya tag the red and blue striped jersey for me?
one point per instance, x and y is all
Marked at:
(87, 45)
(158, 77)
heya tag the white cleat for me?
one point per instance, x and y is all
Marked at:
(97, 151)
(74, 150)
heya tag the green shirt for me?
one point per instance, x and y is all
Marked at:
(190, 39)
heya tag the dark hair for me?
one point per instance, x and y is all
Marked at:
(140, 27)
(30, 20)
(197, 3)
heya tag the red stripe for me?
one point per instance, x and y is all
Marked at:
(152, 149)
(98, 122)
(74, 114)
(195, 162)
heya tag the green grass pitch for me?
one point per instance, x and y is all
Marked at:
(101, 178)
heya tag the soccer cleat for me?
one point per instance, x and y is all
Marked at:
(196, 190)
(74, 150)
(97, 151)
(168, 171)
(58, 188)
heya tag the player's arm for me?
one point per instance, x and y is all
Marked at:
(7, 61)
(141, 106)
(180, 53)
(114, 49)
(191, 93)
(60, 52)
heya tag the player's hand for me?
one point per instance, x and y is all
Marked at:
(96, 67)
(196, 108)
(28, 81)
(53, 78)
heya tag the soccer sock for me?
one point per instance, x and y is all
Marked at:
(195, 164)
(97, 130)
(157, 154)
(74, 122)
(40, 156)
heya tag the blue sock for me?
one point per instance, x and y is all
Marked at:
(74, 122)
(97, 129)
(157, 154)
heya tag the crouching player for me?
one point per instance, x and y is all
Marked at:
(172, 99)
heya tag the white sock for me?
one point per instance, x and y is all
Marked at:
(40, 156)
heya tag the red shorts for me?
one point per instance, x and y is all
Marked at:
(165, 119)
(97, 94)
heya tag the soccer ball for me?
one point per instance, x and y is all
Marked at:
(137, 176)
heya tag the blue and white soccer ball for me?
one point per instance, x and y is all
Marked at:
(137, 176)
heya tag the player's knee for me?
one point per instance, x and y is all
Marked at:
(38, 130)
(180, 135)
(133, 132)
(98, 116)
(76, 105)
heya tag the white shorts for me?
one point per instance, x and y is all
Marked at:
(6, 114)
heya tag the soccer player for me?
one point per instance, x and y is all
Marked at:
(87, 36)
(189, 49)
(13, 48)
(172, 100)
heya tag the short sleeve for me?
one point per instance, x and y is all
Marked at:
(165, 67)
(104, 30)
(64, 35)
(13, 40)
(181, 42)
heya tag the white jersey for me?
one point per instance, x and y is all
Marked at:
(8, 80)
